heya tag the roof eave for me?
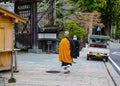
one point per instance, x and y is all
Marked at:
(12, 15)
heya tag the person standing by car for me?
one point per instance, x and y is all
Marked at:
(65, 52)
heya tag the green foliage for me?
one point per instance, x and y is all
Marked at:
(74, 29)
(89, 5)
(72, 10)
(118, 34)
(12, 80)
(110, 9)
(59, 14)
(118, 30)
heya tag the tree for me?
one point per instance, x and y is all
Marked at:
(89, 5)
(109, 9)
(74, 29)
(118, 34)
(63, 10)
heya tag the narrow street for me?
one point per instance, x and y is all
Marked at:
(115, 53)
(45, 70)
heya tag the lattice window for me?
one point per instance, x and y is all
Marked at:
(24, 11)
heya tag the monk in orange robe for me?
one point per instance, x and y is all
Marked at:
(65, 53)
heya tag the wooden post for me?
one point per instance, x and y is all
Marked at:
(12, 79)
(34, 25)
(15, 60)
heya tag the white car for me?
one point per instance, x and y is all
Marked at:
(98, 47)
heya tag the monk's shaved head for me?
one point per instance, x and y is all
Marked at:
(66, 33)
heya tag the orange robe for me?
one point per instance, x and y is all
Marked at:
(64, 51)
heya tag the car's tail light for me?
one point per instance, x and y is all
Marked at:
(106, 54)
(97, 46)
(89, 53)
(103, 46)
(92, 45)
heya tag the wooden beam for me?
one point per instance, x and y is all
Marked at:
(12, 15)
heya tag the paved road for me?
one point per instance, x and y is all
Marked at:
(1, 81)
(33, 71)
(115, 54)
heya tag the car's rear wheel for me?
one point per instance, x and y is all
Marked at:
(105, 59)
(88, 58)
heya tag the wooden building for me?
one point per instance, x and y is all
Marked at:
(32, 35)
(48, 40)
(7, 20)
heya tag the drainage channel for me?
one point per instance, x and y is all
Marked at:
(52, 71)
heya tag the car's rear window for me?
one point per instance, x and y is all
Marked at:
(98, 43)
(98, 40)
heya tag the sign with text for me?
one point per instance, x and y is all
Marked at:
(47, 35)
